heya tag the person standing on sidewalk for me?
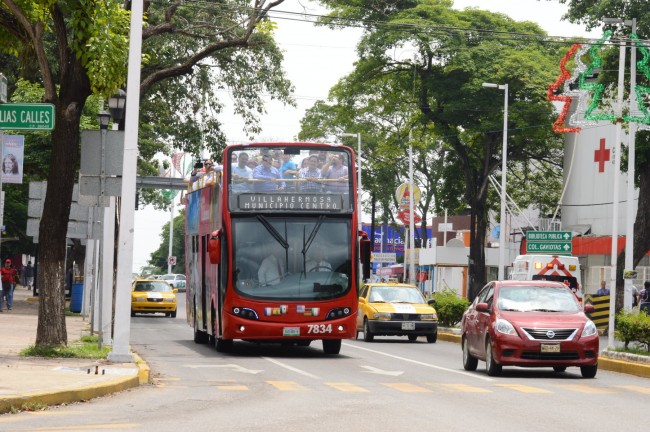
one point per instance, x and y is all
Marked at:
(29, 275)
(7, 274)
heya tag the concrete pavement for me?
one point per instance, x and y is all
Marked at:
(30, 382)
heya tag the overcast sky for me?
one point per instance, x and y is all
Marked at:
(315, 59)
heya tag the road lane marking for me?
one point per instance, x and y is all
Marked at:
(581, 388)
(637, 389)
(464, 388)
(429, 365)
(407, 388)
(286, 385)
(235, 367)
(291, 368)
(378, 371)
(347, 387)
(232, 387)
(91, 427)
(524, 388)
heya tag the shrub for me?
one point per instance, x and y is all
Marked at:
(633, 326)
(450, 307)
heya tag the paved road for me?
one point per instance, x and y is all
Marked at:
(389, 385)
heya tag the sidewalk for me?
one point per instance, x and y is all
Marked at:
(32, 381)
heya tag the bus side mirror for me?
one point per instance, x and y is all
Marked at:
(364, 254)
(214, 247)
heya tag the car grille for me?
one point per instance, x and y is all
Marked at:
(550, 334)
(155, 300)
(536, 355)
(405, 317)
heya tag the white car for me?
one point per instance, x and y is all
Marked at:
(175, 280)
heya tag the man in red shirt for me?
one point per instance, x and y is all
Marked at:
(8, 275)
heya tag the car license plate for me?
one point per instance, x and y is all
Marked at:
(291, 331)
(408, 326)
(550, 348)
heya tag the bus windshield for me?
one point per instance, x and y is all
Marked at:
(300, 178)
(285, 258)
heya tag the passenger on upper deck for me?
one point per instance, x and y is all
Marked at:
(311, 176)
(336, 171)
(241, 174)
(271, 176)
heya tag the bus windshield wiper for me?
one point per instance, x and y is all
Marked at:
(312, 235)
(276, 235)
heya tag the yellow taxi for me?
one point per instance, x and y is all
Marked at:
(395, 309)
(151, 296)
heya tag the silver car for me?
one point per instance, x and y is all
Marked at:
(175, 280)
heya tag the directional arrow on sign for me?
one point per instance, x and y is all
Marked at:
(381, 371)
(235, 367)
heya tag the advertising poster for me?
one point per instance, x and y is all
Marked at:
(13, 147)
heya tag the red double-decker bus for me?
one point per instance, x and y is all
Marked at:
(272, 247)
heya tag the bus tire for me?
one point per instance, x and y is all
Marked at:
(200, 337)
(332, 346)
(223, 345)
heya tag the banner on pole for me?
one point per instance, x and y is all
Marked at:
(12, 158)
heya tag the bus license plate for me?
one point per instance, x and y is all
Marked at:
(550, 348)
(291, 331)
(408, 326)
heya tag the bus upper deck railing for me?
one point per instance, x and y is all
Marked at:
(211, 179)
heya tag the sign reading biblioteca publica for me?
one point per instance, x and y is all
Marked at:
(294, 201)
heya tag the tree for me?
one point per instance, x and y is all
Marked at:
(454, 53)
(159, 256)
(590, 14)
(80, 48)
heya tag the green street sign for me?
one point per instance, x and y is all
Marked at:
(549, 242)
(26, 116)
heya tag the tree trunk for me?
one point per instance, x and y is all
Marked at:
(74, 90)
(476, 267)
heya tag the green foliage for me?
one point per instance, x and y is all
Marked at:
(633, 326)
(86, 347)
(159, 256)
(450, 307)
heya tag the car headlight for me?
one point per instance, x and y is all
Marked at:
(428, 317)
(170, 299)
(503, 326)
(140, 299)
(590, 329)
(381, 315)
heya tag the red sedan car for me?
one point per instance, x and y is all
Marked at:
(530, 324)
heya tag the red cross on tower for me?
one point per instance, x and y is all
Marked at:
(601, 156)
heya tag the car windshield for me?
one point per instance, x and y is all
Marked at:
(536, 298)
(394, 294)
(152, 286)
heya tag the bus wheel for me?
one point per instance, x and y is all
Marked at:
(200, 337)
(223, 345)
(332, 346)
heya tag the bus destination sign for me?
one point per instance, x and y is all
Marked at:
(294, 201)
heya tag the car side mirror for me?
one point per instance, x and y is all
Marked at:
(483, 307)
(589, 308)
(175, 290)
(432, 302)
(362, 300)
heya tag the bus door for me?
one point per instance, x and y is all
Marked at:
(204, 299)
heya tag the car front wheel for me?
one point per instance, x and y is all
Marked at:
(491, 366)
(469, 361)
(589, 371)
(367, 334)
(432, 338)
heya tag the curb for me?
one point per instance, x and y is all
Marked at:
(80, 394)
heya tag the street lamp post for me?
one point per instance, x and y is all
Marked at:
(629, 216)
(504, 159)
